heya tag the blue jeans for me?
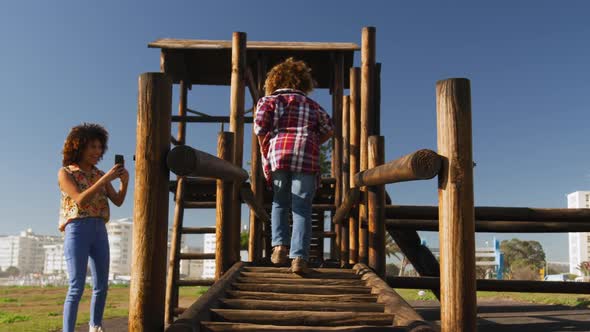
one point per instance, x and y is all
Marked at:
(86, 238)
(292, 190)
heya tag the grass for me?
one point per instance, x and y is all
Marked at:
(24, 308)
(570, 300)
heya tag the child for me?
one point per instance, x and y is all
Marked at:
(291, 127)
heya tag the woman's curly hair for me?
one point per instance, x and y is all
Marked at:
(289, 74)
(78, 139)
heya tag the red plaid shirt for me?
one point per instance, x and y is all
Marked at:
(291, 125)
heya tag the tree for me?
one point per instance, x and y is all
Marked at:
(244, 240)
(325, 162)
(520, 256)
(12, 271)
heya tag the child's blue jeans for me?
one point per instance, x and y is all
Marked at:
(292, 190)
(86, 238)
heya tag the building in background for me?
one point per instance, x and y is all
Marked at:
(208, 264)
(121, 246)
(579, 243)
(25, 251)
(55, 262)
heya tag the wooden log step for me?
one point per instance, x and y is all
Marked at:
(301, 305)
(313, 318)
(195, 282)
(198, 230)
(301, 281)
(302, 289)
(196, 255)
(199, 205)
(286, 270)
(239, 327)
(313, 275)
(249, 295)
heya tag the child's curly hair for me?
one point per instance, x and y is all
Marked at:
(289, 74)
(78, 139)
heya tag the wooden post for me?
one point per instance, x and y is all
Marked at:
(255, 243)
(236, 124)
(368, 55)
(224, 230)
(337, 95)
(182, 106)
(344, 233)
(354, 149)
(376, 206)
(150, 216)
(456, 211)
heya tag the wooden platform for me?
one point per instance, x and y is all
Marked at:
(256, 298)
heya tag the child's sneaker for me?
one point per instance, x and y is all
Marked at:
(299, 266)
(279, 255)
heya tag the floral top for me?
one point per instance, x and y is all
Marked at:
(97, 207)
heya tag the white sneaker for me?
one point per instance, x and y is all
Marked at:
(96, 329)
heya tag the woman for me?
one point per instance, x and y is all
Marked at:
(83, 214)
(291, 127)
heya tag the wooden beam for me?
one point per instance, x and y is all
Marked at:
(353, 224)
(206, 119)
(376, 207)
(494, 213)
(520, 286)
(350, 199)
(495, 226)
(236, 126)
(190, 320)
(457, 218)
(150, 236)
(420, 165)
(247, 196)
(186, 161)
(367, 117)
(309, 318)
(405, 315)
(245, 327)
(224, 248)
(345, 234)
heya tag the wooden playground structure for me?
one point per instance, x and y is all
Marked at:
(349, 291)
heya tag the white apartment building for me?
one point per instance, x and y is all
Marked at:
(121, 246)
(25, 251)
(579, 243)
(55, 263)
(208, 264)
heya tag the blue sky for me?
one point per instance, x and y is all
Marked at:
(66, 62)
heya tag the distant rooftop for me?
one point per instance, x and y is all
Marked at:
(208, 62)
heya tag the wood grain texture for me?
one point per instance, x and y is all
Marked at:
(456, 210)
(150, 213)
(225, 238)
(376, 207)
(355, 121)
(420, 165)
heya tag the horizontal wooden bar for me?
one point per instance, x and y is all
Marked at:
(247, 327)
(301, 305)
(313, 318)
(197, 255)
(496, 226)
(206, 119)
(420, 165)
(357, 298)
(492, 213)
(521, 286)
(199, 205)
(195, 282)
(186, 161)
(198, 230)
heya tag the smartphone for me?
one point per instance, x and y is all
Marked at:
(119, 159)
